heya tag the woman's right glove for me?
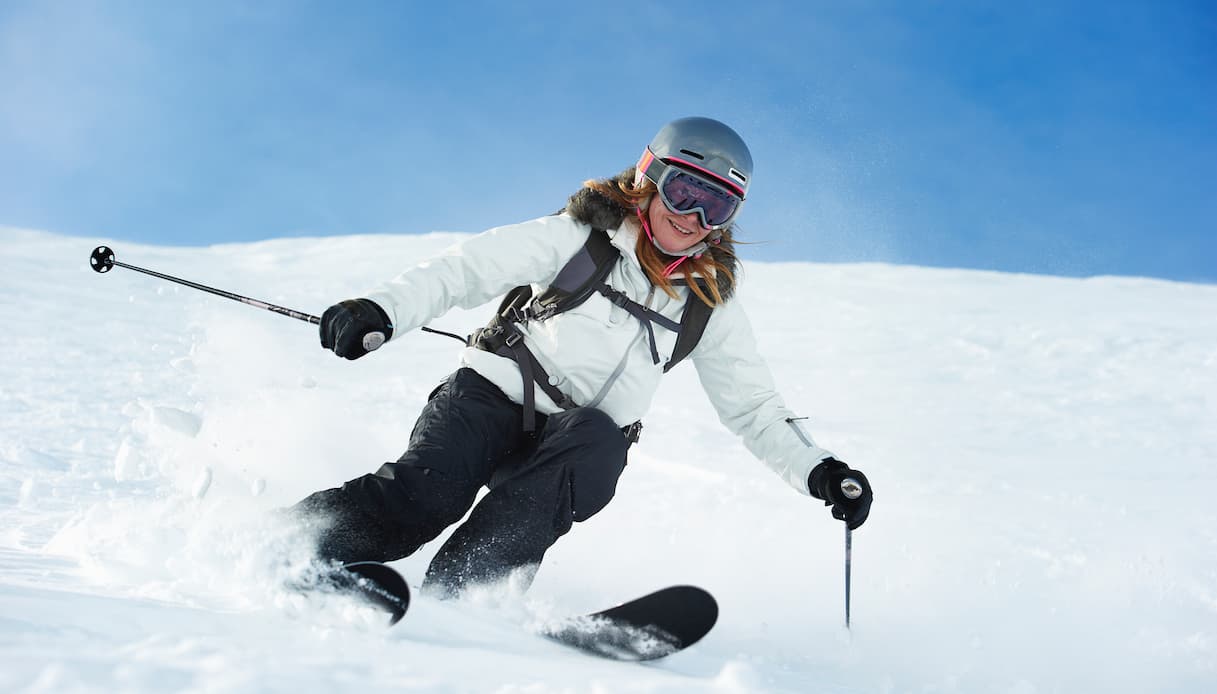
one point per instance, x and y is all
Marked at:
(846, 490)
(355, 327)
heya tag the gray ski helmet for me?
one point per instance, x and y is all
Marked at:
(699, 144)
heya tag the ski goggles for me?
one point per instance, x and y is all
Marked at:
(683, 191)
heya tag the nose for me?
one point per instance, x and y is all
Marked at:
(695, 217)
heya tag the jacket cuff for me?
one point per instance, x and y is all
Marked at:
(815, 480)
(385, 306)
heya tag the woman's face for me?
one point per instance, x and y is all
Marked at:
(675, 232)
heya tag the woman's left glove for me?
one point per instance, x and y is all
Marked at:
(355, 327)
(846, 490)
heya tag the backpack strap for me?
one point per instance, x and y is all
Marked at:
(583, 275)
(575, 282)
(646, 316)
(579, 278)
(692, 325)
(533, 375)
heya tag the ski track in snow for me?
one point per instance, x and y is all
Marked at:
(1042, 451)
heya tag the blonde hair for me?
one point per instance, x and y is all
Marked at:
(709, 265)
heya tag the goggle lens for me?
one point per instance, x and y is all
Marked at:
(684, 192)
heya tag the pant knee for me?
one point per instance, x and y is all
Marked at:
(593, 484)
(419, 499)
(592, 448)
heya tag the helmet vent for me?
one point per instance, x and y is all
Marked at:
(692, 154)
(738, 176)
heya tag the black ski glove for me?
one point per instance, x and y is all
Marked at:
(825, 482)
(354, 327)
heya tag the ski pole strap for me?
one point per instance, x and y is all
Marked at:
(643, 314)
(454, 336)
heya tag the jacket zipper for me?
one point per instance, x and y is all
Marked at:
(795, 424)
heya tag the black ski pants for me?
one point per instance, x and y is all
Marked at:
(470, 436)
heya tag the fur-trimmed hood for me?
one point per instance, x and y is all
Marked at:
(592, 207)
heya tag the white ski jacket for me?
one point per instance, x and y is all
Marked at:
(597, 353)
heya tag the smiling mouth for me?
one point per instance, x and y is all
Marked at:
(683, 230)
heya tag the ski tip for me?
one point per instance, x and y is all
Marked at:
(387, 589)
(647, 628)
(701, 611)
(695, 599)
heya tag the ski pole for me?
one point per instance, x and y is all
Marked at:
(852, 490)
(103, 261)
(849, 550)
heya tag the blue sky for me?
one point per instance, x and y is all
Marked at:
(1073, 138)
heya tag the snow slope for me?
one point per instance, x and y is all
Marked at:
(1043, 452)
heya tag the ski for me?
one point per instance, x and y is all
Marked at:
(647, 628)
(653, 626)
(376, 584)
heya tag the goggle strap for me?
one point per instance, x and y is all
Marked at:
(649, 166)
(645, 225)
(672, 268)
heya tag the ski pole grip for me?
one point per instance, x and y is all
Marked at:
(373, 340)
(850, 488)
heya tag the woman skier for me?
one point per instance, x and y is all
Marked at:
(635, 273)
